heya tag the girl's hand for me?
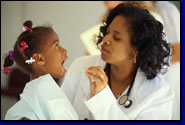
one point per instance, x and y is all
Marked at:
(98, 79)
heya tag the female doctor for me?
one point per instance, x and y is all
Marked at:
(133, 54)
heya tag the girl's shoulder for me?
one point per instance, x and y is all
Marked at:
(42, 88)
(20, 110)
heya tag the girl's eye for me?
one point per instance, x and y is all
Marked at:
(56, 46)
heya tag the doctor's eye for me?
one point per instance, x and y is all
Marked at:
(117, 39)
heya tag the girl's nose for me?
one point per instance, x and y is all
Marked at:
(65, 51)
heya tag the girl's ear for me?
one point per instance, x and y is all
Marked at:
(39, 59)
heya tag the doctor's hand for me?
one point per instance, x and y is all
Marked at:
(98, 79)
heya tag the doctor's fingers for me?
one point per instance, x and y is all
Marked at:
(97, 80)
(89, 77)
(93, 78)
(97, 68)
(92, 85)
(96, 77)
(97, 71)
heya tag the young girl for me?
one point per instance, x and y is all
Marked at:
(38, 52)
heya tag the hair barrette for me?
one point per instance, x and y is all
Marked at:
(29, 61)
(26, 28)
(11, 54)
(6, 69)
(23, 46)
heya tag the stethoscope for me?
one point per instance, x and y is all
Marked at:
(124, 99)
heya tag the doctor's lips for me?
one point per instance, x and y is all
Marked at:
(103, 50)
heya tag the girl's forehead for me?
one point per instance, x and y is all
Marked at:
(52, 37)
(49, 40)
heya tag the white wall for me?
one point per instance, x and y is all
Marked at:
(67, 18)
(11, 16)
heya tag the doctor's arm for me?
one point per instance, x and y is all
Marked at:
(103, 105)
(175, 52)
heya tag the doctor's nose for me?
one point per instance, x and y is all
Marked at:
(106, 40)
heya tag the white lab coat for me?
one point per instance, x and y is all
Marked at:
(42, 99)
(152, 99)
(171, 21)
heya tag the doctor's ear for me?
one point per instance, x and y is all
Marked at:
(39, 59)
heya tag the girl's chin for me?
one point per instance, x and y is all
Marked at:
(60, 74)
(63, 71)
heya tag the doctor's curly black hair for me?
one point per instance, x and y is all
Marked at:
(147, 35)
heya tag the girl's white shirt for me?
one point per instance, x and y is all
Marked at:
(152, 99)
(42, 99)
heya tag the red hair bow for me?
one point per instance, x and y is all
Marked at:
(23, 46)
(6, 69)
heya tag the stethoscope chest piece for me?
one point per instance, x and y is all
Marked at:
(128, 103)
(123, 100)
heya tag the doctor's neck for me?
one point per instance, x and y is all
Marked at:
(123, 71)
